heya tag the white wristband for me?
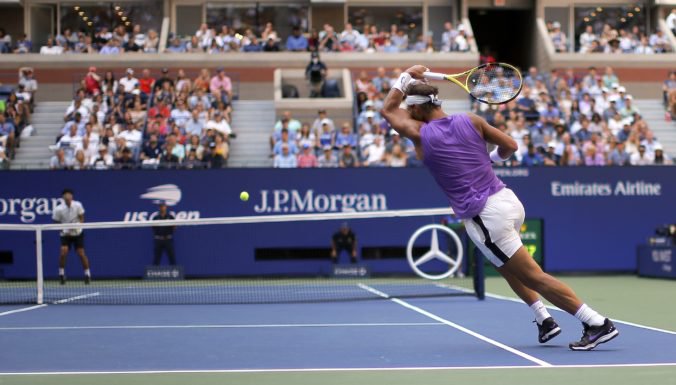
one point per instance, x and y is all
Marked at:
(402, 83)
(495, 157)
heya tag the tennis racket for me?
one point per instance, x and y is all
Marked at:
(492, 83)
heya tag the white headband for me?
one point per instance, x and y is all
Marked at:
(412, 100)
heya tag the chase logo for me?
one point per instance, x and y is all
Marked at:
(170, 194)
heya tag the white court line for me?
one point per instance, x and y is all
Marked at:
(457, 327)
(22, 310)
(511, 299)
(219, 326)
(61, 301)
(310, 370)
(76, 298)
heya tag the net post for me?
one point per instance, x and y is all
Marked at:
(38, 256)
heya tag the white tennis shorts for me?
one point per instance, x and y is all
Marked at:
(495, 231)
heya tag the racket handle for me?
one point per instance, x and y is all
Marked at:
(434, 76)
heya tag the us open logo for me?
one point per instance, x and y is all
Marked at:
(169, 194)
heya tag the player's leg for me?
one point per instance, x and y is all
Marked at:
(524, 268)
(79, 249)
(63, 253)
(597, 328)
(507, 218)
(547, 327)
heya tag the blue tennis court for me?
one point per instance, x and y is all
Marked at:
(387, 334)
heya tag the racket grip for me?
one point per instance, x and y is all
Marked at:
(434, 76)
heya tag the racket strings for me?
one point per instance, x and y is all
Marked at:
(494, 83)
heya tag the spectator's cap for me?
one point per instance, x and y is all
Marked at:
(130, 71)
(394, 132)
(369, 103)
(461, 28)
(622, 90)
(556, 24)
(102, 147)
(657, 147)
(369, 114)
(136, 91)
(212, 144)
(306, 145)
(165, 70)
(92, 69)
(615, 85)
(613, 98)
(551, 144)
(326, 121)
(327, 147)
(604, 90)
(628, 97)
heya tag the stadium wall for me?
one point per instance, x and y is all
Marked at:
(594, 218)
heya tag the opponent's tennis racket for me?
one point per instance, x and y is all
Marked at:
(492, 83)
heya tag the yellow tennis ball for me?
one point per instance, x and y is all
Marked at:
(244, 196)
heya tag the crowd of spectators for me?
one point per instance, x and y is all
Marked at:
(611, 40)
(569, 119)
(147, 122)
(370, 38)
(103, 41)
(366, 141)
(16, 106)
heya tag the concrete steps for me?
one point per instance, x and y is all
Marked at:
(253, 121)
(47, 121)
(653, 113)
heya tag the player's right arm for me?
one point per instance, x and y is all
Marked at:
(400, 119)
(506, 144)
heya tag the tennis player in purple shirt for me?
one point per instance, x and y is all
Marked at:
(454, 149)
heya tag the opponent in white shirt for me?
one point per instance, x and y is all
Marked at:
(71, 211)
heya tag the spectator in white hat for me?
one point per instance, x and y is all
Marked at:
(558, 38)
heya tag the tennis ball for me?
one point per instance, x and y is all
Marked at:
(244, 196)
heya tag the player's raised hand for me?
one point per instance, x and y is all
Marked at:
(417, 71)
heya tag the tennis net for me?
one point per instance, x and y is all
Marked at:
(253, 259)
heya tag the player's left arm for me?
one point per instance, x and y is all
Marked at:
(506, 145)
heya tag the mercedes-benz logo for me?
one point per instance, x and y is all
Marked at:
(435, 252)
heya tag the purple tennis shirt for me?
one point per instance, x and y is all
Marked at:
(456, 156)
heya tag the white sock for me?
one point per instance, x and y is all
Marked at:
(589, 316)
(88, 273)
(540, 311)
(62, 271)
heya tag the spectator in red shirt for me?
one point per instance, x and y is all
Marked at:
(307, 159)
(92, 82)
(146, 82)
(160, 109)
